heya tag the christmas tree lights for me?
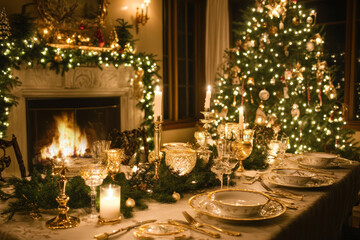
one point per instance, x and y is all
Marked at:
(277, 72)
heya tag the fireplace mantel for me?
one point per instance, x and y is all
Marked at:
(39, 82)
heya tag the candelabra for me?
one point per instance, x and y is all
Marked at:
(204, 153)
(62, 220)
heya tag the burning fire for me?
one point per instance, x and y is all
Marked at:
(68, 140)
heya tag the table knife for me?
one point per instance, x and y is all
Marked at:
(204, 231)
(104, 236)
(282, 192)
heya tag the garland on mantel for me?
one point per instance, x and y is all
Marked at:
(25, 47)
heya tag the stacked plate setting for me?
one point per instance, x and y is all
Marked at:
(237, 205)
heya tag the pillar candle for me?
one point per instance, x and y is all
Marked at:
(241, 118)
(207, 98)
(110, 201)
(157, 103)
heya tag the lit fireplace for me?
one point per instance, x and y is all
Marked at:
(67, 127)
(68, 141)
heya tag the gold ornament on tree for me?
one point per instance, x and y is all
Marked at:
(260, 118)
(296, 21)
(330, 91)
(273, 30)
(295, 111)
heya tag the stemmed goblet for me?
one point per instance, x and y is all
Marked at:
(98, 150)
(231, 162)
(219, 168)
(93, 175)
(242, 147)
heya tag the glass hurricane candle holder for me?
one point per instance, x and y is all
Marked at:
(93, 176)
(180, 161)
(114, 158)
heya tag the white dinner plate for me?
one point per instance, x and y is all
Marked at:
(202, 204)
(314, 182)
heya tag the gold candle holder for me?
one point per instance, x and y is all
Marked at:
(62, 220)
(157, 142)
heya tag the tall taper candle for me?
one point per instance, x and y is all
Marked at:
(241, 118)
(157, 103)
(207, 98)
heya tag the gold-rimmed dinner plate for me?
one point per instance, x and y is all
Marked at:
(202, 204)
(314, 182)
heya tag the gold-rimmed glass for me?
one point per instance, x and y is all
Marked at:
(243, 146)
(114, 158)
(93, 175)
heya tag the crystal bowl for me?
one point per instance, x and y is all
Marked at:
(238, 202)
(180, 161)
(293, 176)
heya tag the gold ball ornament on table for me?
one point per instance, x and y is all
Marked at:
(130, 202)
(176, 196)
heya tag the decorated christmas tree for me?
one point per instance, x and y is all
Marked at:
(278, 73)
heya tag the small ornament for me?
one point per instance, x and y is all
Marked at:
(318, 39)
(176, 196)
(317, 108)
(310, 46)
(130, 202)
(288, 74)
(271, 120)
(265, 38)
(264, 95)
(296, 21)
(264, 25)
(100, 38)
(251, 43)
(330, 91)
(260, 118)
(57, 58)
(273, 30)
(235, 80)
(272, 81)
(309, 20)
(251, 81)
(82, 26)
(295, 111)
(286, 51)
(286, 92)
(281, 25)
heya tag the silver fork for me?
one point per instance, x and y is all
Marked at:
(197, 224)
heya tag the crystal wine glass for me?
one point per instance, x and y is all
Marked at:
(242, 147)
(219, 168)
(231, 162)
(98, 149)
(93, 175)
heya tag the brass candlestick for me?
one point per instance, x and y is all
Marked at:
(157, 142)
(62, 220)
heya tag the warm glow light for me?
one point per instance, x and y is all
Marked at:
(68, 140)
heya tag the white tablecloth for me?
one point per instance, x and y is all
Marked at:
(319, 216)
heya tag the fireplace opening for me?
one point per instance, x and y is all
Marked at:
(66, 127)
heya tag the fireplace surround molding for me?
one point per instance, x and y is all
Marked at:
(41, 83)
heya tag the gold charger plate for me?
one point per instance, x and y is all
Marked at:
(315, 182)
(202, 204)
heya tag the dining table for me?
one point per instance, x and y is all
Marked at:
(319, 213)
